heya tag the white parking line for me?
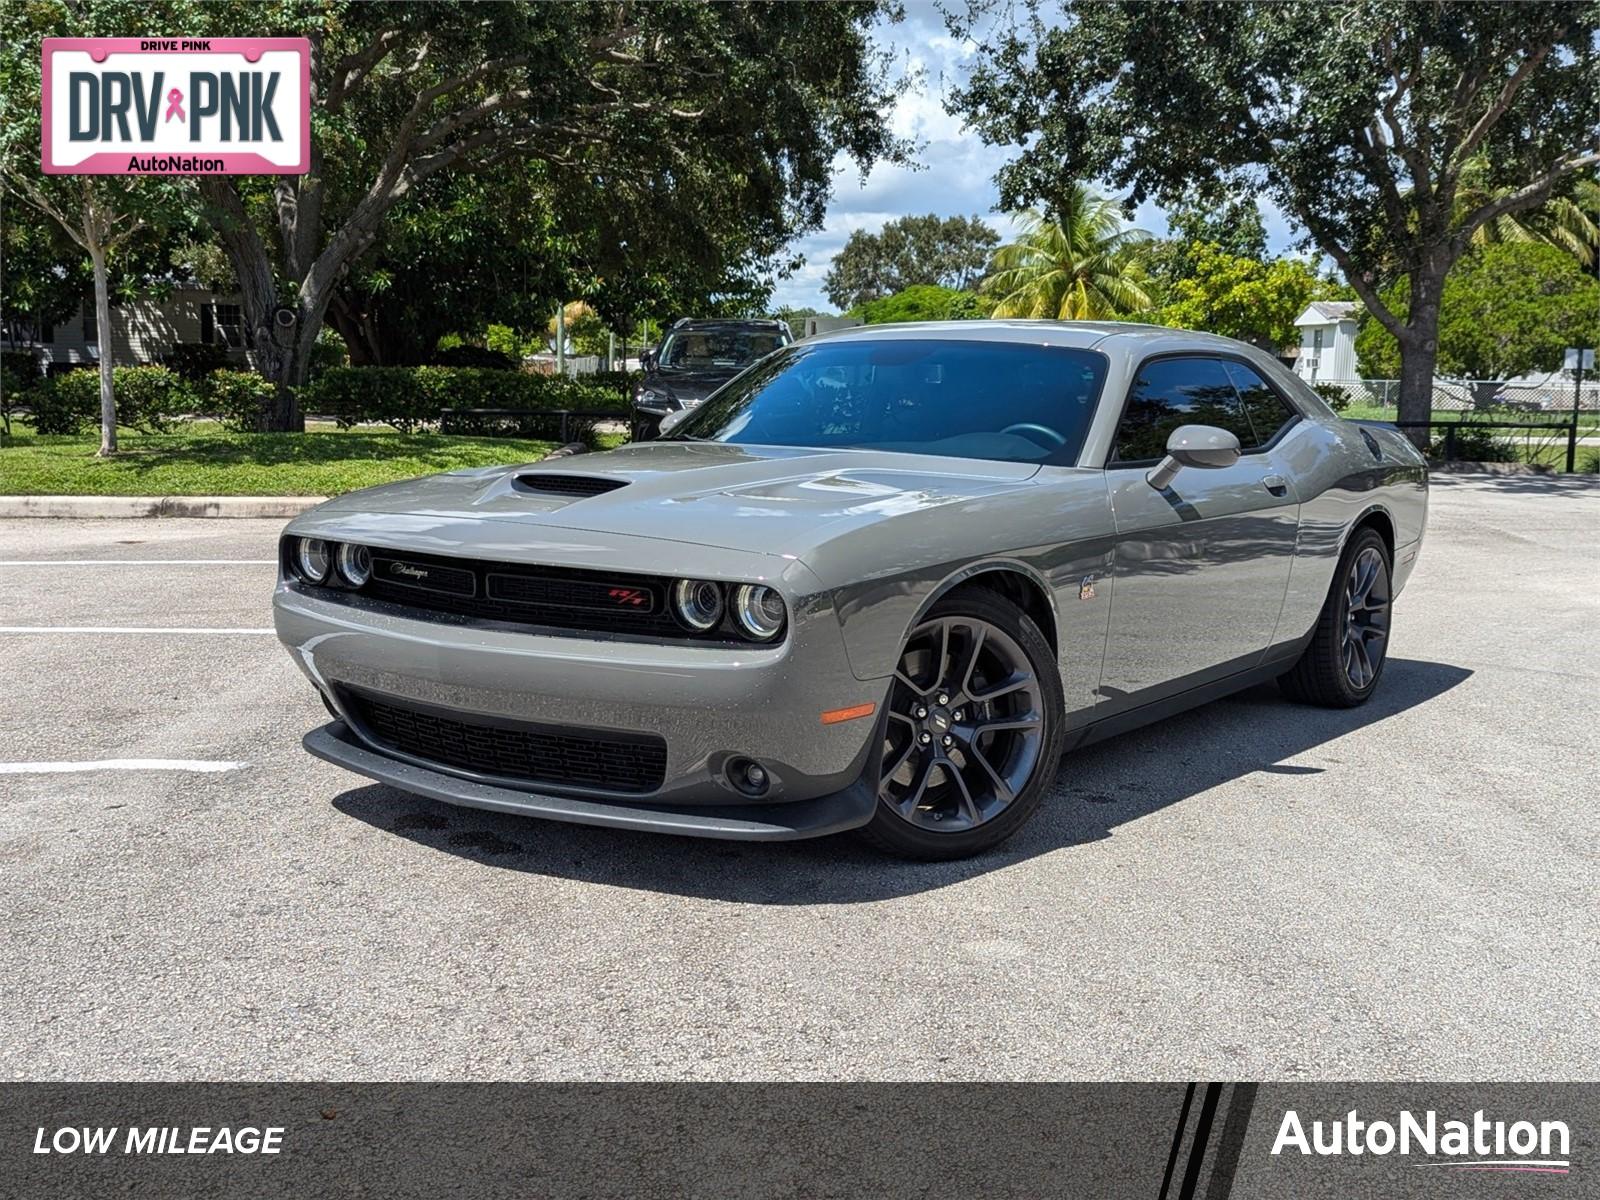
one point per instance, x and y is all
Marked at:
(203, 765)
(138, 562)
(124, 629)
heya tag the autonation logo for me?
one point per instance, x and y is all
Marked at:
(1476, 1145)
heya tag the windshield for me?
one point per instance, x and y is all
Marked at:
(1002, 401)
(707, 349)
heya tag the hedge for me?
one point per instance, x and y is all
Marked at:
(148, 399)
(238, 399)
(410, 397)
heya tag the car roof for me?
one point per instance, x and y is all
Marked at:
(1128, 336)
(726, 323)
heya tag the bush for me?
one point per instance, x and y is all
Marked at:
(622, 383)
(475, 356)
(148, 399)
(238, 399)
(195, 360)
(1334, 396)
(1471, 444)
(410, 397)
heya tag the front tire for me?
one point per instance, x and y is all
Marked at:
(973, 732)
(1349, 646)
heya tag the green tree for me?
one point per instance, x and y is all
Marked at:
(1241, 297)
(1358, 120)
(103, 215)
(43, 273)
(1233, 226)
(1571, 222)
(728, 116)
(1080, 264)
(950, 252)
(1508, 309)
(921, 302)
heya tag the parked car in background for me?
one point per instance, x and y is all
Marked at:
(694, 360)
(880, 581)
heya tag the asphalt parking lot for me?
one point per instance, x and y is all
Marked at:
(1252, 890)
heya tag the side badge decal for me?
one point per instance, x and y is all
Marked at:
(1086, 588)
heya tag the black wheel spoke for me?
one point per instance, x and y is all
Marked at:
(965, 730)
(1366, 617)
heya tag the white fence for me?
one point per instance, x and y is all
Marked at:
(1472, 395)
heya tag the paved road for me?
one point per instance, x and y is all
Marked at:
(1251, 890)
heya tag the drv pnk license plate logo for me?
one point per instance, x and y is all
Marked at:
(177, 106)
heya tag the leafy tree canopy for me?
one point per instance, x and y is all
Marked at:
(1357, 120)
(922, 302)
(1234, 227)
(951, 252)
(1509, 309)
(647, 143)
(1241, 297)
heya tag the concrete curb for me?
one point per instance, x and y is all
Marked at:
(122, 507)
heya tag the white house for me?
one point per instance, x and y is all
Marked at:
(1327, 341)
(142, 331)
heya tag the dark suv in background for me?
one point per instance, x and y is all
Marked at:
(694, 359)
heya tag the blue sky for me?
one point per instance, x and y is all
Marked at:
(957, 169)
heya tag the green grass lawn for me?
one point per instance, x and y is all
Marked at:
(203, 459)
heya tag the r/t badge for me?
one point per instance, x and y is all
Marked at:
(1086, 588)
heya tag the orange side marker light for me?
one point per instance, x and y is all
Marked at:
(835, 715)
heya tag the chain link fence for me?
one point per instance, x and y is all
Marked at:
(1377, 399)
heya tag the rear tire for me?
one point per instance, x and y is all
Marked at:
(974, 731)
(1344, 662)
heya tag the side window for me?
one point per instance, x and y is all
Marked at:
(1170, 392)
(1266, 409)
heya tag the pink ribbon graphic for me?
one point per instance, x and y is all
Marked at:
(175, 105)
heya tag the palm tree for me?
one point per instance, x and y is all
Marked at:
(1571, 223)
(1082, 264)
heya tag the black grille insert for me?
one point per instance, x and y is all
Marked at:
(551, 754)
(552, 597)
(553, 483)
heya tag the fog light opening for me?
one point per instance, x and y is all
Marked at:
(748, 776)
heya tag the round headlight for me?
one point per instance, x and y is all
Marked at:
(311, 559)
(758, 610)
(354, 564)
(697, 603)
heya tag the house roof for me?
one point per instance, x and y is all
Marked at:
(1328, 312)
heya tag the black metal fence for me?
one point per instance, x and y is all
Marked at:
(1466, 440)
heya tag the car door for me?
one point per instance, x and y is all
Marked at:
(1200, 568)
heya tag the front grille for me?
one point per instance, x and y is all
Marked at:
(597, 602)
(513, 750)
(554, 484)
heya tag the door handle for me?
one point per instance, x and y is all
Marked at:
(1276, 485)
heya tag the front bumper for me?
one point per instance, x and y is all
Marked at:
(710, 704)
(750, 822)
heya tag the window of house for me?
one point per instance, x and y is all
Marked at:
(1170, 392)
(227, 325)
(91, 323)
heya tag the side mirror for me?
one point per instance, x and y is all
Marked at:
(1194, 446)
(673, 419)
(647, 359)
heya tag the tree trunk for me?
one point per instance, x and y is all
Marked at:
(102, 316)
(1419, 350)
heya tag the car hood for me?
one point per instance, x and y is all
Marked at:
(759, 499)
(692, 386)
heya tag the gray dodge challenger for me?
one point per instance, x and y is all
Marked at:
(881, 580)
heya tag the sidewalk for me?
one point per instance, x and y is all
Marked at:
(112, 507)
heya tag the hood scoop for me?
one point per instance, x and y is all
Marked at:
(559, 483)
